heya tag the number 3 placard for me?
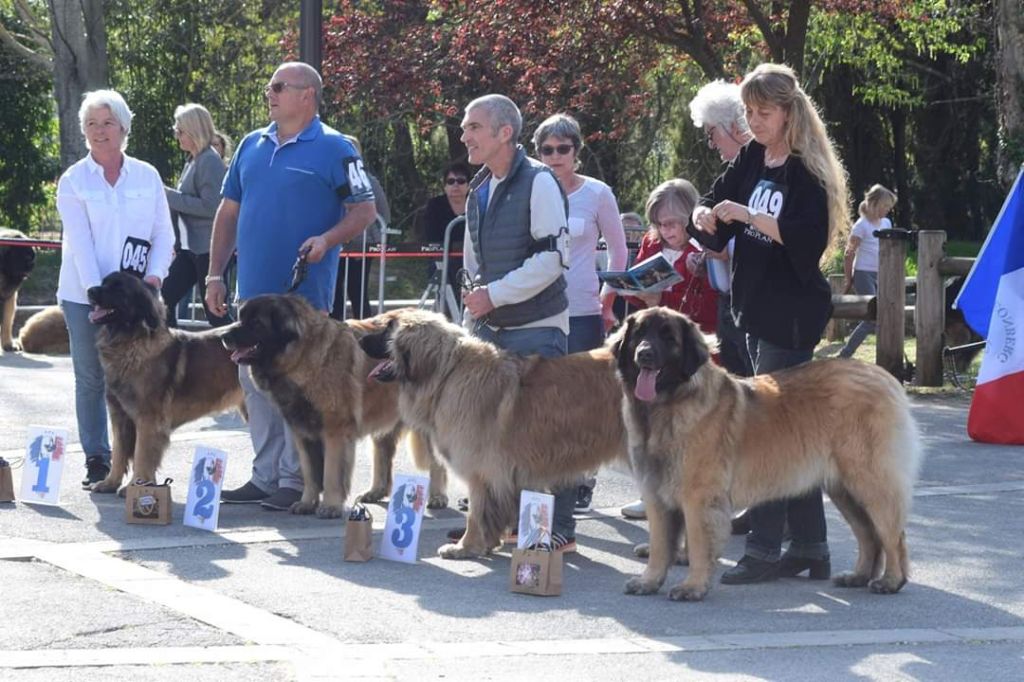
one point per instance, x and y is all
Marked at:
(44, 464)
(202, 509)
(405, 515)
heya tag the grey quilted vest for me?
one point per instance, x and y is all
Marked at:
(503, 241)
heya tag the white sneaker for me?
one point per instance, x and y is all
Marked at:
(635, 510)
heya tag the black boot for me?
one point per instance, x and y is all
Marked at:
(818, 569)
(750, 570)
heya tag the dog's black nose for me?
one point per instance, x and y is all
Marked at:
(645, 353)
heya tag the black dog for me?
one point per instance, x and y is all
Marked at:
(16, 264)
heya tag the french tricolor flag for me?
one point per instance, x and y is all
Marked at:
(992, 301)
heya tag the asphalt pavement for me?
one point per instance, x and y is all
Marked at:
(84, 596)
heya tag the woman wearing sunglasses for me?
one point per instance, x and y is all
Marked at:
(593, 214)
(443, 209)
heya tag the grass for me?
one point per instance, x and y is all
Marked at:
(866, 353)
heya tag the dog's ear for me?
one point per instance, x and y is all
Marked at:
(695, 349)
(619, 344)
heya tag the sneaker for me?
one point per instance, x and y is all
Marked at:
(455, 534)
(96, 469)
(249, 493)
(462, 504)
(563, 544)
(282, 500)
(584, 497)
(635, 510)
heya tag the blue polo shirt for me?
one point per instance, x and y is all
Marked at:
(288, 193)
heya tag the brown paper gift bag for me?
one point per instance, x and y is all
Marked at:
(359, 535)
(148, 503)
(536, 571)
(6, 482)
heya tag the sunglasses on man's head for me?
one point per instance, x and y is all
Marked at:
(455, 181)
(562, 149)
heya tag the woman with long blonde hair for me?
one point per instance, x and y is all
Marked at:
(784, 199)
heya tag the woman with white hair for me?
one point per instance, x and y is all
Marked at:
(115, 218)
(194, 202)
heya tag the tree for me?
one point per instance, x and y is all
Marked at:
(67, 38)
(1009, 25)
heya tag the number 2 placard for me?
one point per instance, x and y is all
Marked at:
(202, 509)
(401, 537)
(44, 464)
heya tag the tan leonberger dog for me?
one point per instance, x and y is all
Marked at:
(703, 442)
(502, 422)
(312, 368)
(45, 333)
(16, 264)
(157, 378)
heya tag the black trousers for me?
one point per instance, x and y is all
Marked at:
(188, 269)
(356, 273)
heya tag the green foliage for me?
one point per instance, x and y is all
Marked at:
(28, 138)
(164, 53)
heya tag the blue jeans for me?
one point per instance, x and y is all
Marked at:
(865, 283)
(806, 513)
(586, 332)
(90, 386)
(547, 342)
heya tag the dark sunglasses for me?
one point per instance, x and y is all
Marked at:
(281, 85)
(562, 149)
(455, 181)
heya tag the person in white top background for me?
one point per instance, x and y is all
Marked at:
(593, 214)
(860, 264)
(115, 218)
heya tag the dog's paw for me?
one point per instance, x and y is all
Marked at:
(684, 592)
(303, 508)
(886, 585)
(850, 579)
(106, 486)
(438, 501)
(456, 551)
(10, 347)
(330, 511)
(372, 495)
(639, 585)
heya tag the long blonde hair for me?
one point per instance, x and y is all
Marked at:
(807, 139)
(877, 202)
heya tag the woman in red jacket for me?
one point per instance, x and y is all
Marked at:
(668, 211)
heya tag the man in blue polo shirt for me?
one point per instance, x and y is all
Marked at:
(296, 184)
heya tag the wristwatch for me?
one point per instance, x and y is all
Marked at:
(213, 278)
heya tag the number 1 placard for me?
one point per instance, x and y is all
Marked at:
(401, 537)
(44, 464)
(202, 509)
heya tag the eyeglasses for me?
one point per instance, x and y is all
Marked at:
(709, 135)
(562, 149)
(669, 224)
(277, 87)
(455, 181)
(176, 130)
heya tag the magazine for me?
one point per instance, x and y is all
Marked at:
(649, 276)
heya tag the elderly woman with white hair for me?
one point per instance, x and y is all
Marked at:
(115, 218)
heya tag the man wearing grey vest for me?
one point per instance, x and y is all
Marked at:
(516, 250)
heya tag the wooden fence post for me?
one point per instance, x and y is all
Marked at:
(930, 307)
(892, 296)
(836, 329)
